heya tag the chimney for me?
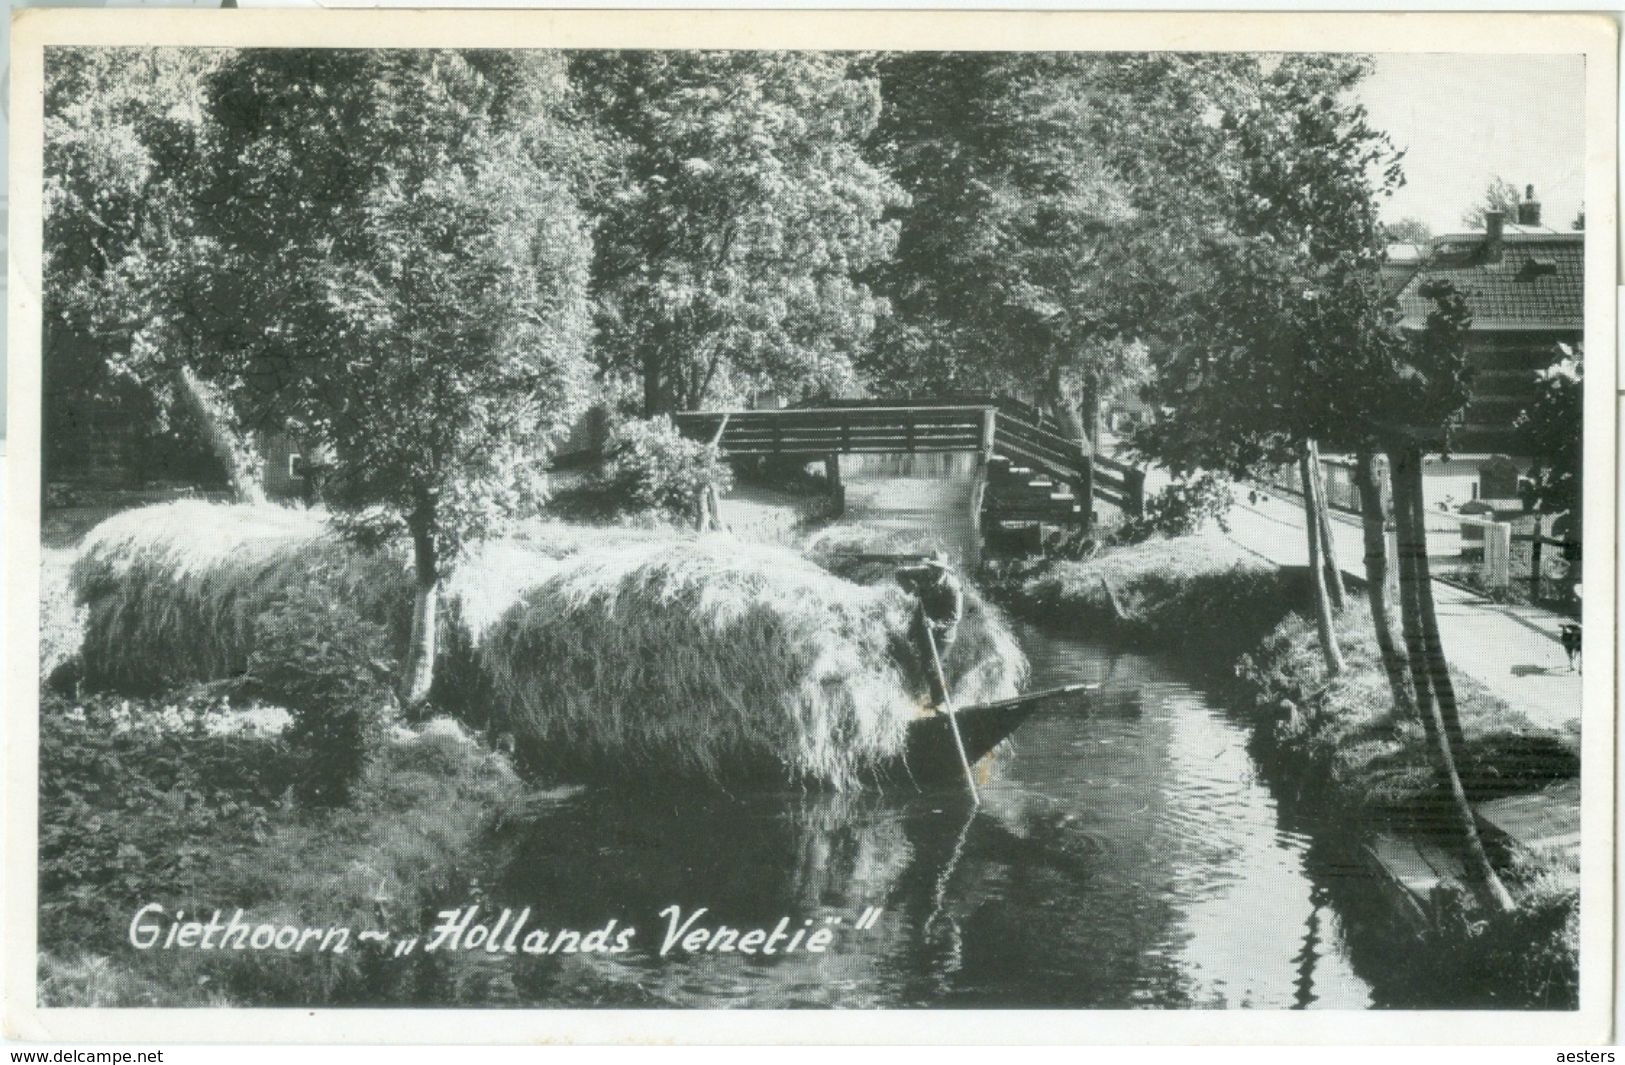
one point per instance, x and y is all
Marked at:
(1494, 223)
(1529, 209)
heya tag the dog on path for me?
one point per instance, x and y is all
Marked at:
(1569, 633)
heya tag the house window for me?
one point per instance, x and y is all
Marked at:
(296, 467)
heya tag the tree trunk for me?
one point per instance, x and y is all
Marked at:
(1090, 416)
(1060, 405)
(1317, 572)
(1438, 705)
(203, 403)
(1410, 548)
(1373, 527)
(713, 506)
(1334, 571)
(1444, 689)
(418, 676)
(655, 398)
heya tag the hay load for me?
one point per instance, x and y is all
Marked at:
(172, 592)
(986, 649)
(722, 659)
(627, 651)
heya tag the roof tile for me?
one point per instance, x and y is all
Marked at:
(1538, 281)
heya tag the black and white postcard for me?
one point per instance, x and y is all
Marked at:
(655, 526)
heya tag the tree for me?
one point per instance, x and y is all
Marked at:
(1421, 400)
(1040, 219)
(1550, 430)
(736, 220)
(1010, 205)
(398, 236)
(1499, 195)
(1407, 230)
(1376, 509)
(122, 128)
(1400, 394)
(1253, 368)
(1358, 322)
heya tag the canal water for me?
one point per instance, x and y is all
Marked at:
(1126, 855)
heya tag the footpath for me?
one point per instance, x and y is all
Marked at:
(1514, 650)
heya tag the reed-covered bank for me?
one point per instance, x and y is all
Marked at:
(1338, 745)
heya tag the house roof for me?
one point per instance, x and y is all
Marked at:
(1536, 282)
(1396, 275)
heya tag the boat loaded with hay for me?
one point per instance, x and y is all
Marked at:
(602, 652)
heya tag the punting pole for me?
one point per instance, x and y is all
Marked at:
(947, 706)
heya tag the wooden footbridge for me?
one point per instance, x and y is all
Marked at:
(1034, 474)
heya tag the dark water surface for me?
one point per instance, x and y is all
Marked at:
(1126, 855)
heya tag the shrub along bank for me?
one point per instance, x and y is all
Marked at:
(1338, 745)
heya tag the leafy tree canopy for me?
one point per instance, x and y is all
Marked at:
(122, 127)
(1282, 321)
(1027, 253)
(737, 222)
(1499, 195)
(1550, 430)
(401, 265)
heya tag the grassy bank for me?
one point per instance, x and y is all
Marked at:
(1339, 746)
(1200, 593)
(175, 802)
(1343, 743)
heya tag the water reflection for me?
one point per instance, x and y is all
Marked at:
(1125, 855)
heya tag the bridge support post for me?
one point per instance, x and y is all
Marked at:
(1134, 488)
(832, 475)
(1085, 491)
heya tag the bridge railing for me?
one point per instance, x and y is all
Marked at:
(1056, 453)
(820, 431)
(1120, 484)
(1006, 406)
